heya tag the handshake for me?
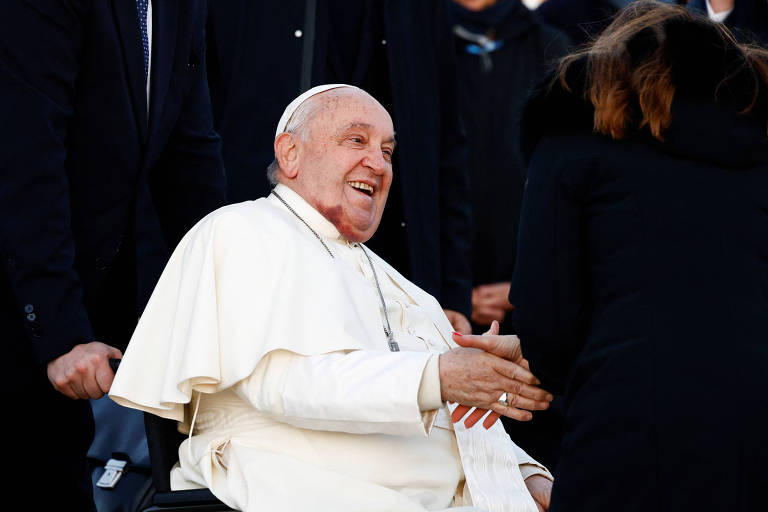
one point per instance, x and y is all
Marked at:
(489, 374)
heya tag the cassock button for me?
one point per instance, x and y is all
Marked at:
(31, 317)
(383, 41)
(298, 33)
(402, 224)
(29, 308)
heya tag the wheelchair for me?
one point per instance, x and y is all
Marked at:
(163, 440)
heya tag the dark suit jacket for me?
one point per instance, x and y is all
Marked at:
(641, 290)
(80, 159)
(257, 65)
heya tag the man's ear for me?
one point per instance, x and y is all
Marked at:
(287, 154)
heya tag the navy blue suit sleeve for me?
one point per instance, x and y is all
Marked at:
(550, 283)
(39, 46)
(454, 196)
(188, 180)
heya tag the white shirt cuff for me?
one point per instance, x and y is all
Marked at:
(430, 397)
(529, 469)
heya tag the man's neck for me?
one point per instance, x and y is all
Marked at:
(307, 212)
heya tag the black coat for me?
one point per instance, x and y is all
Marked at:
(79, 152)
(641, 290)
(749, 18)
(258, 63)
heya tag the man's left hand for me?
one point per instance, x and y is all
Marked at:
(504, 346)
(458, 321)
(541, 490)
(507, 347)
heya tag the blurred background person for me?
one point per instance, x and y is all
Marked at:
(582, 20)
(107, 150)
(502, 51)
(641, 284)
(747, 18)
(262, 54)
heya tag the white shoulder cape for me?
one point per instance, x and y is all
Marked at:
(246, 280)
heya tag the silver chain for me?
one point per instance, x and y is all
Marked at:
(393, 346)
(303, 222)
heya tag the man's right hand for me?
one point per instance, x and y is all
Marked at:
(84, 371)
(475, 378)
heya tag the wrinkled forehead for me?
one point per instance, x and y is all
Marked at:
(341, 109)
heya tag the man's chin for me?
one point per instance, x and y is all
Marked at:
(356, 233)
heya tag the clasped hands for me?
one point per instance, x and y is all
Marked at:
(480, 370)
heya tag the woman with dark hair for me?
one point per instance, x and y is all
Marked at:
(641, 283)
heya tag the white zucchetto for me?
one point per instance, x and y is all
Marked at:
(292, 106)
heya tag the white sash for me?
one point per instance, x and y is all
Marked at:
(491, 469)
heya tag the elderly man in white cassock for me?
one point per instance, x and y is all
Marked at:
(308, 373)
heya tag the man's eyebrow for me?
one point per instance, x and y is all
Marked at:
(354, 125)
(365, 126)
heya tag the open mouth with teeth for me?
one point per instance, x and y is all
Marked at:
(362, 187)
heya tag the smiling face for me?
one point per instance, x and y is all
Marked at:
(343, 166)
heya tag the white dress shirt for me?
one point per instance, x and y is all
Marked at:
(717, 16)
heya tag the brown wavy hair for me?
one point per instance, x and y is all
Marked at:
(631, 78)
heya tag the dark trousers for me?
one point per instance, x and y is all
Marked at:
(48, 436)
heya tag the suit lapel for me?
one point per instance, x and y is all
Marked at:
(130, 37)
(164, 27)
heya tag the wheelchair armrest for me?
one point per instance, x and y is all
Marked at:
(191, 500)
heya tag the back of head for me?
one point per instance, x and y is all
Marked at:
(653, 53)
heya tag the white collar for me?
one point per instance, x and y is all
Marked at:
(306, 211)
(717, 16)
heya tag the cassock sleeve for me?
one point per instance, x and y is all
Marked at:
(360, 391)
(245, 283)
(528, 465)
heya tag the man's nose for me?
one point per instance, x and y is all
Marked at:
(374, 159)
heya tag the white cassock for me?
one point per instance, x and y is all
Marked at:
(273, 354)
